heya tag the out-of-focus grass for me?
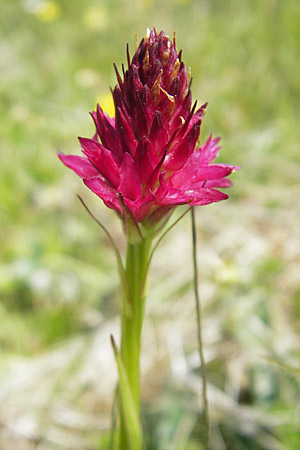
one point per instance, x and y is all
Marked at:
(58, 279)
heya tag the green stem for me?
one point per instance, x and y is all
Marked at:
(199, 332)
(136, 270)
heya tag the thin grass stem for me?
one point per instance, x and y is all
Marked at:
(199, 332)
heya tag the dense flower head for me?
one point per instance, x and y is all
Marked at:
(146, 160)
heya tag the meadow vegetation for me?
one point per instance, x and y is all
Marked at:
(59, 294)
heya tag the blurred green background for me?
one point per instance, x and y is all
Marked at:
(58, 279)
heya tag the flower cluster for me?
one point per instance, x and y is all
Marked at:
(147, 157)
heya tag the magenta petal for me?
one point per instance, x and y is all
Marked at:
(81, 166)
(127, 137)
(135, 84)
(110, 120)
(130, 182)
(106, 131)
(182, 77)
(121, 84)
(146, 160)
(159, 133)
(178, 155)
(148, 106)
(220, 183)
(196, 117)
(191, 175)
(182, 111)
(204, 196)
(187, 174)
(141, 207)
(233, 168)
(168, 195)
(155, 174)
(174, 198)
(104, 191)
(212, 172)
(140, 117)
(162, 189)
(209, 150)
(102, 159)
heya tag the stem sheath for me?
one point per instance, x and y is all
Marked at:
(137, 257)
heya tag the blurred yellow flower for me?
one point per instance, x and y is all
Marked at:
(107, 104)
(96, 18)
(148, 4)
(48, 11)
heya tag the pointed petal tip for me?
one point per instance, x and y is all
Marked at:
(80, 165)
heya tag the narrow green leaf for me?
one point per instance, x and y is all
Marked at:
(132, 423)
(122, 272)
(159, 241)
